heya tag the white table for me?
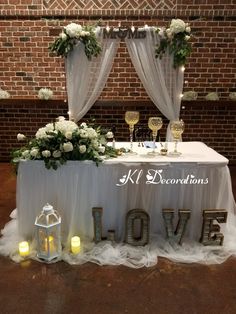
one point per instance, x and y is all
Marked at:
(78, 186)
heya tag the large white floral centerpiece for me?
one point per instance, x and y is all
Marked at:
(175, 39)
(4, 94)
(73, 34)
(45, 93)
(65, 140)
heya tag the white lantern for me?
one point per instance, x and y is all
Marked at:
(48, 234)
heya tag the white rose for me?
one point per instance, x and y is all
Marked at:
(63, 36)
(41, 133)
(82, 149)
(20, 137)
(49, 127)
(169, 33)
(188, 29)
(68, 147)
(60, 118)
(91, 133)
(83, 134)
(56, 154)
(83, 33)
(187, 37)
(177, 26)
(34, 152)
(101, 149)
(109, 135)
(46, 153)
(68, 135)
(65, 126)
(161, 32)
(25, 153)
(84, 125)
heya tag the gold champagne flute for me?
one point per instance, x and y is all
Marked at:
(131, 118)
(176, 128)
(155, 124)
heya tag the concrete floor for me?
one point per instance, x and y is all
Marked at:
(167, 288)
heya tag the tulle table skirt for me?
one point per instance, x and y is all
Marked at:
(118, 186)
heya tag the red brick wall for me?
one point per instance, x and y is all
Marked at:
(26, 64)
(211, 122)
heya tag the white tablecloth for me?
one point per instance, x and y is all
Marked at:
(78, 186)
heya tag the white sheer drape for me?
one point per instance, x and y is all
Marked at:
(162, 82)
(86, 79)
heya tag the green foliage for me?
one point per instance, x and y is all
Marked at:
(64, 140)
(91, 46)
(177, 44)
(65, 43)
(63, 47)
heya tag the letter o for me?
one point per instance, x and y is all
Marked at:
(129, 228)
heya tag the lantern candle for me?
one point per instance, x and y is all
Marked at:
(75, 245)
(48, 234)
(24, 249)
(49, 244)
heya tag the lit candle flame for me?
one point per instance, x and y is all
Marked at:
(24, 248)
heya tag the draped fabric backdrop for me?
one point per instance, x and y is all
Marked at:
(162, 82)
(86, 79)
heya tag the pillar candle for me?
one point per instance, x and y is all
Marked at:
(75, 245)
(24, 249)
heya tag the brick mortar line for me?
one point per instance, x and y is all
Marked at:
(124, 14)
(106, 102)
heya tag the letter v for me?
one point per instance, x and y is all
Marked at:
(168, 215)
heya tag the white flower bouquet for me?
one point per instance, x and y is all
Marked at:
(190, 95)
(175, 39)
(232, 96)
(212, 96)
(4, 94)
(64, 140)
(71, 35)
(45, 93)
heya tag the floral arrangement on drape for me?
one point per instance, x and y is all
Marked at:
(73, 34)
(175, 39)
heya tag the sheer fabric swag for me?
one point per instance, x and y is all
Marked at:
(86, 79)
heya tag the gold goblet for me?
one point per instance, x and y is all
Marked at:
(155, 124)
(131, 118)
(176, 128)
